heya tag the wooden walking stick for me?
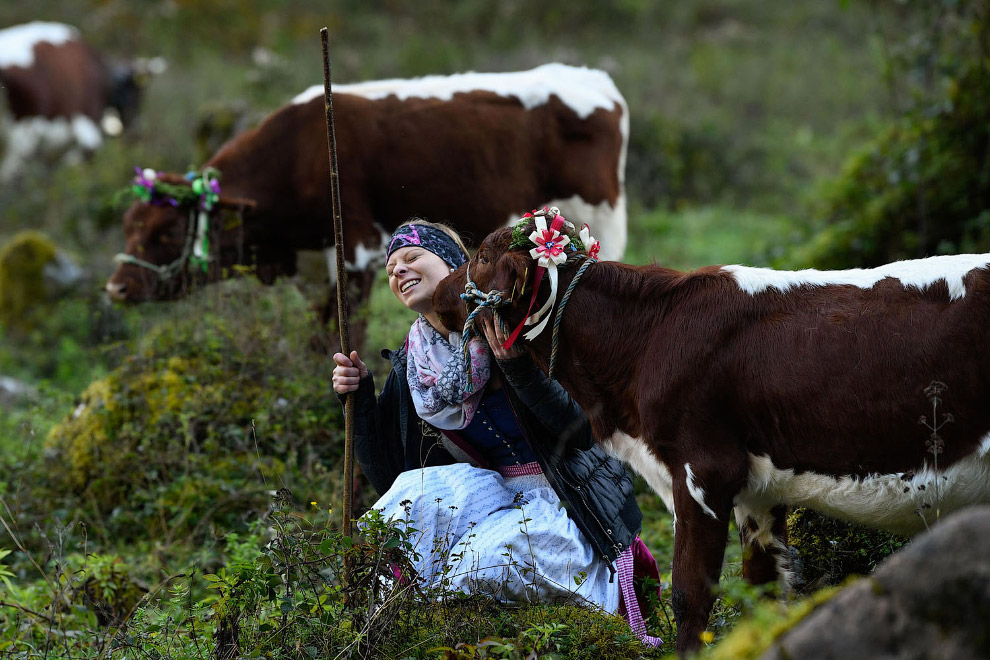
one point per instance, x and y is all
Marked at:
(345, 335)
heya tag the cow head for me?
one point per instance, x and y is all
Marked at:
(161, 254)
(504, 263)
(127, 83)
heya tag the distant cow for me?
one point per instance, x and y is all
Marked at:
(473, 150)
(756, 389)
(59, 92)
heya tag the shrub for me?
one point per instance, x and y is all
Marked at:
(830, 550)
(920, 188)
(22, 281)
(218, 405)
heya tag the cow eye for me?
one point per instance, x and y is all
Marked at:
(482, 258)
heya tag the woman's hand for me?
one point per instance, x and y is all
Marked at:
(496, 335)
(348, 373)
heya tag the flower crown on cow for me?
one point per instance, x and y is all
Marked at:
(549, 244)
(162, 189)
(550, 247)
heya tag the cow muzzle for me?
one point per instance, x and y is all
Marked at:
(116, 290)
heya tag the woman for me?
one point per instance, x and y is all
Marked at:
(492, 462)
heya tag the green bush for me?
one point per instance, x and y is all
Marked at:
(831, 550)
(217, 405)
(921, 188)
(22, 281)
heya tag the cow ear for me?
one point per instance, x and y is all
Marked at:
(447, 301)
(511, 274)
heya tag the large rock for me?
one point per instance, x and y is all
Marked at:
(930, 600)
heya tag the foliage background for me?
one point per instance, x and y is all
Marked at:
(762, 132)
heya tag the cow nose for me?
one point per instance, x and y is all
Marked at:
(117, 290)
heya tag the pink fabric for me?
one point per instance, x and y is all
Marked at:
(519, 470)
(636, 561)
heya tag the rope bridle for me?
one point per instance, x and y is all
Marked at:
(197, 225)
(560, 312)
(472, 294)
(494, 299)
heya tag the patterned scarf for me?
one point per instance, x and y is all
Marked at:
(436, 371)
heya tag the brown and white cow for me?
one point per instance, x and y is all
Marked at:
(753, 389)
(473, 150)
(61, 94)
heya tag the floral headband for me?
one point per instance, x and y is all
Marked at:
(150, 187)
(429, 238)
(551, 244)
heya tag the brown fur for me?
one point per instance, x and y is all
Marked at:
(69, 79)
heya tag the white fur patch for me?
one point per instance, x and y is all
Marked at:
(370, 256)
(984, 449)
(581, 89)
(697, 492)
(894, 502)
(17, 43)
(608, 223)
(762, 536)
(48, 138)
(633, 451)
(919, 273)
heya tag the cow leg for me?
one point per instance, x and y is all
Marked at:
(700, 535)
(763, 534)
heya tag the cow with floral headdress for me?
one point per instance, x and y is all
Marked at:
(473, 150)
(738, 390)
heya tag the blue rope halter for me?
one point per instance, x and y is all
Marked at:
(560, 312)
(492, 300)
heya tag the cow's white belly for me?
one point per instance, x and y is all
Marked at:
(49, 139)
(633, 451)
(894, 502)
(897, 502)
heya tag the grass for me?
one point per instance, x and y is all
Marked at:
(708, 235)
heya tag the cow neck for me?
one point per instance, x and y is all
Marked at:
(554, 341)
(581, 374)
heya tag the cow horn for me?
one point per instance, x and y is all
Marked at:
(237, 202)
(173, 178)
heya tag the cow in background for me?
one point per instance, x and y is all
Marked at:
(473, 150)
(61, 94)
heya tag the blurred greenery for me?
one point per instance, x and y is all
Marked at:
(153, 441)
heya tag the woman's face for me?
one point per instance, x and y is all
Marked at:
(413, 275)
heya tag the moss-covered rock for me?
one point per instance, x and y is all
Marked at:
(830, 550)
(22, 280)
(767, 623)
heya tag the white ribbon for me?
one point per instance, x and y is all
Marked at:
(548, 261)
(202, 223)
